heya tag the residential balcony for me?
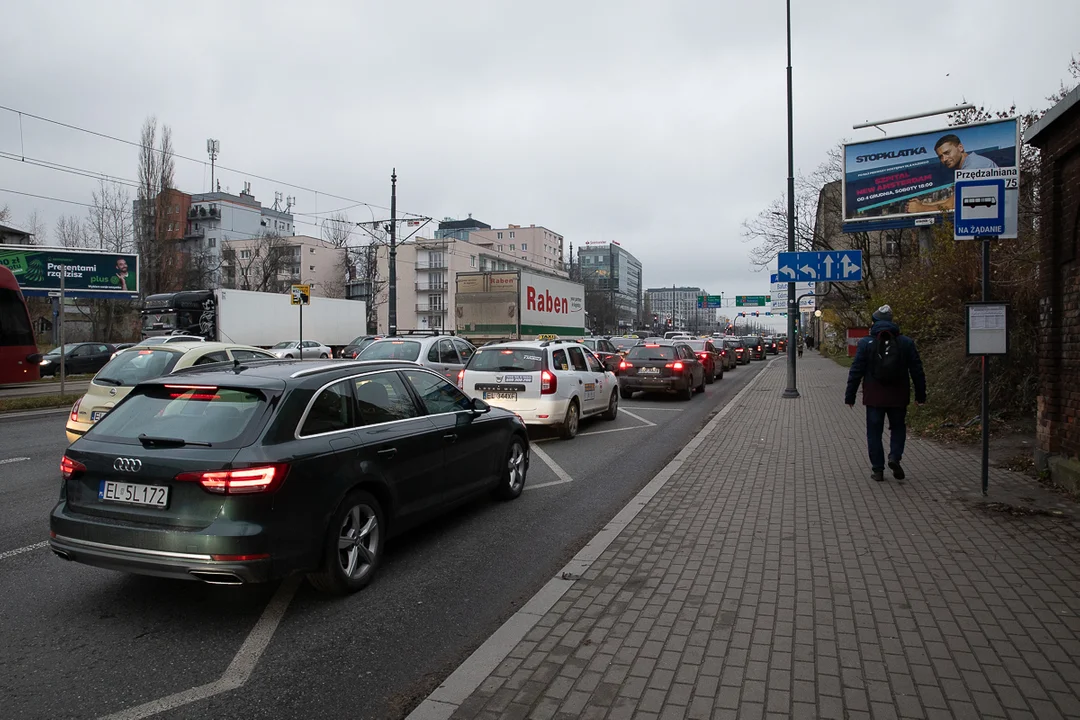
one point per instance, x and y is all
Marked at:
(431, 265)
(194, 234)
(431, 286)
(428, 310)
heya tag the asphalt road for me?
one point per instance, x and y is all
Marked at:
(83, 642)
(42, 388)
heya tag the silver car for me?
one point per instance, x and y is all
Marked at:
(445, 354)
(310, 349)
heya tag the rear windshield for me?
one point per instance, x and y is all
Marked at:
(507, 360)
(624, 343)
(182, 413)
(391, 350)
(656, 352)
(696, 344)
(132, 367)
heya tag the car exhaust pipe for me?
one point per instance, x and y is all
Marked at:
(62, 554)
(217, 577)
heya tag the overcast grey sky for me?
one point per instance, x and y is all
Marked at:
(657, 124)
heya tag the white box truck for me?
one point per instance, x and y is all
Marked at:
(516, 305)
(252, 318)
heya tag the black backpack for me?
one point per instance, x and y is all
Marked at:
(886, 360)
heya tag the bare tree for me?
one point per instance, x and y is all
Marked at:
(109, 224)
(36, 227)
(360, 268)
(158, 254)
(5, 214)
(70, 232)
(262, 264)
(337, 229)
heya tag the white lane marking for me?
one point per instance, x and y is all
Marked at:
(547, 484)
(239, 669)
(13, 460)
(648, 423)
(564, 477)
(635, 407)
(20, 551)
(612, 430)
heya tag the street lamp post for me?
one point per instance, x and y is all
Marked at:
(791, 391)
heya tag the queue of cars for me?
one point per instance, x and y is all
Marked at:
(229, 464)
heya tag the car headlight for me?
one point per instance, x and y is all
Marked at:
(46, 362)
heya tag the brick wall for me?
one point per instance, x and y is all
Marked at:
(1059, 278)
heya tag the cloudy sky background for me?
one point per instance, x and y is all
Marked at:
(660, 125)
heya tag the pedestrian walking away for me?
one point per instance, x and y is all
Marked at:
(886, 364)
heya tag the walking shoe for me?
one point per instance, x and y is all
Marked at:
(897, 471)
(878, 475)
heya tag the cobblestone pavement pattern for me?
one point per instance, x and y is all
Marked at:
(770, 577)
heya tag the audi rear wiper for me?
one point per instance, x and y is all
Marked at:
(148, 441)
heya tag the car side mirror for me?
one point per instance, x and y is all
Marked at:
(34, 358)
(479, 407)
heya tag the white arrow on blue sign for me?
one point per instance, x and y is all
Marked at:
(831, 265)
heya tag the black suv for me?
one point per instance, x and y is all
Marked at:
(254, 471)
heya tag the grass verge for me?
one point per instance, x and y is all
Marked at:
(37, 402)
(72, 378)
(842, 360)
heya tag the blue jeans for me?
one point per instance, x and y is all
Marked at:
(875, 426)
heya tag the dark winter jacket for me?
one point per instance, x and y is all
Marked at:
(876, 394)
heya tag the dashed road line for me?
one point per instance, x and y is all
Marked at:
(239, 670)
(20, 551)
(13, 460)
(650, 407)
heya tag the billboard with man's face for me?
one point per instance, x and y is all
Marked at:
(38, 268)
(893, 182)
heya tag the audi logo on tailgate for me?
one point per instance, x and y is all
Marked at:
(127, 464)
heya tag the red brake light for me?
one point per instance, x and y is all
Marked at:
(244, 481)
(240, 558)
(75, 410)
(623, 365)
(69, 467)
(548, 383)
(676, 366)
(703, 355)
(506, 352)
(648, 345)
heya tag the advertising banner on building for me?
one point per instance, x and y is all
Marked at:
(907, 180)
(86, 272)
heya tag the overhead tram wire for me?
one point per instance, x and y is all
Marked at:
(131, 143)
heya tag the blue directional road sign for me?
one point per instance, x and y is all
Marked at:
(980, 208)
(828, 266)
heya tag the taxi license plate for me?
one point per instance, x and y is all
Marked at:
(494, 395)
(96, 415)
(650, 371)
(132, 494)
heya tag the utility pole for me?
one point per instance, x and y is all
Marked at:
(791, 391)
(611, 287)
(392, 300)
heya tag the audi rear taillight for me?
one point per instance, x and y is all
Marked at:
(548, 383)
(75, 410)
(244, 481)
(623, 365)
(69, 468)
(676, 366)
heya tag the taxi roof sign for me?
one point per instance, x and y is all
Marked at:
(547, 336)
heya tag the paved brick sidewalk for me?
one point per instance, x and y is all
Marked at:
(768, 576)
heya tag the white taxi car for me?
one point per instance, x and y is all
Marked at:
(136, 364)
(546, 382)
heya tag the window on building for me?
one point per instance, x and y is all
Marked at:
(524, 246)
(892, 248)
(212, 242)
(472, 261)
(245, 254)
(513, 248)
(499, 236)
(500, 248)
(511, 234)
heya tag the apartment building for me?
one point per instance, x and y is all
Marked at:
(218, 217)
(426, 273)
(272, 264)
(534, 244)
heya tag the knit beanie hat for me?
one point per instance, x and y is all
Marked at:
(883, 313)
